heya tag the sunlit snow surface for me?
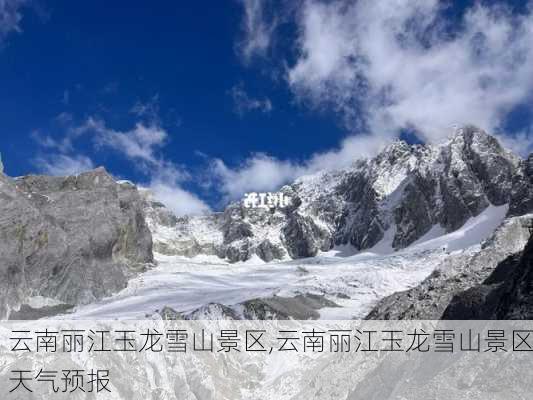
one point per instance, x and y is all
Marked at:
(355, 281)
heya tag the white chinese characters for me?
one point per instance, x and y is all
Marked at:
(266, 200)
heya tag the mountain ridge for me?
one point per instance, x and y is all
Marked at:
(398, 195)
(85, 237)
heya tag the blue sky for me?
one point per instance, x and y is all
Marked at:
(203, 101)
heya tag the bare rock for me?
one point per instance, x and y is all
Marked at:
(74, 239)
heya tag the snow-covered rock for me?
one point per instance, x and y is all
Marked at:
(339, 284)
(458, 272)
(398, 196)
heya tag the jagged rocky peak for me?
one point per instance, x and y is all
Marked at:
(475, 153)
(392, 199)
(71, 240)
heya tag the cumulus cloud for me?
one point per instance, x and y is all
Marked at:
(350, 149)
(261, 172)
(63, 164)
(10, 17)
(178, 200)
(244, 103)
(387, 66)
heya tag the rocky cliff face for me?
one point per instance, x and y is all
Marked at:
(396, 197)
(522, 188)
(507, 293)
(69, 239)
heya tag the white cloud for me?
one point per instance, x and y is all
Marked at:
(519, 143)
(387, 66)
(64, 165)
(142, 145)
(257, 27)
(258, 173)
(243, 103)
(10, 17)
(179, 201)
(261, 172)
(351, 149)
(392, 65)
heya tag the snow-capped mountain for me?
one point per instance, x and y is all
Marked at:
(385, 203)
(396, 236)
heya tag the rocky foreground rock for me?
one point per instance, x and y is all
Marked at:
(507, 293)
(69, 240)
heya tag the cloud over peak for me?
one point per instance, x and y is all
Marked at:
(64, 164)
(390, 66)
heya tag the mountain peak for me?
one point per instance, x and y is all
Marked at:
(390, 201)
(468, 130)
(471, 135)
(397, 148)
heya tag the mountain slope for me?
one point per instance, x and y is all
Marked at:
(68, 240)
(396, 236)
(507, 293)
(333, 285)
(393, 200)
(457, 273)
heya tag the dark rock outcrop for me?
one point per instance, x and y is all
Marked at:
(481, 301)
(506, 294)
(169, 314)
(213, 311)
(300, 307)
(303, 238)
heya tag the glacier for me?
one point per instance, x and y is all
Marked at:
(353, 280)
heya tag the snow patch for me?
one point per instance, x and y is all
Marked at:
(474, 231)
